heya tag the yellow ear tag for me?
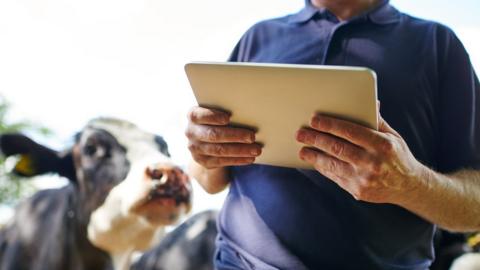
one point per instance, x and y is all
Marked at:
(25, 166)
(474, 240)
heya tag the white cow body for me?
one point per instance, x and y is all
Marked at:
(469, 261)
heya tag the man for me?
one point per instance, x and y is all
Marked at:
(375, 195)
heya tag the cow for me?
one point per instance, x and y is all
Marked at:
(123, 189)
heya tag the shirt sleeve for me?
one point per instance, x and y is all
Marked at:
(234, 55)
(239, 53)
(245, 46)
(459, 108)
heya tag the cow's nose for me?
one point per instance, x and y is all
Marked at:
(166, 175)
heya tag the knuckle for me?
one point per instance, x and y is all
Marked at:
(376, 166)
(219, 150)
(370, 181)
(316, 140)
(189, 133)
(349, 132)
(192, 116)
(337, 148)
(212, 134)
(331, 165)
(357, 157)
(387, 146)
(192, 147)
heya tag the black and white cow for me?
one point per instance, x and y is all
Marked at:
(123, 189)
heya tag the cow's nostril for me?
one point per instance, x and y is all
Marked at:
(155, 174)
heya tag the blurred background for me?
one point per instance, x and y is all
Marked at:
(63, 62)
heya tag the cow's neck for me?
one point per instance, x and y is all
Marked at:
(121, 234)
(90, 198)
(122, 254)
(76, 221)
(122, 259)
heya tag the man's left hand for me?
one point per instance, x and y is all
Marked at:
(373, 166)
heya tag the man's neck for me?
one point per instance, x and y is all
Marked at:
(345, 9)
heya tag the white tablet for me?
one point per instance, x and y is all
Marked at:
(278, 99)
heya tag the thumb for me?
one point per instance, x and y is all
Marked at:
(383, 126)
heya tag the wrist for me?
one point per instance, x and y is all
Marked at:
(212, 180)
(417, 186)
(216, 180)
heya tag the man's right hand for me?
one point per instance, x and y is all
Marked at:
(214, 144)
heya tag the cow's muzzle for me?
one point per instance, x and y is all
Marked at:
(168, 182)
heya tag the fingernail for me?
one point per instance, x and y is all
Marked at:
(305, 154)
(301, 135)
(225, 119)
(251, 138)
(254, 152)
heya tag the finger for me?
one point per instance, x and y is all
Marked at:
(383, 126)
(354, 133)
(207, 116)
(332, 168)
(325, 164)
(226, 149)
(332, 145)
(217, 134)
(216, 162)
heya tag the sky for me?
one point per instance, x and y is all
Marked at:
(63, 62)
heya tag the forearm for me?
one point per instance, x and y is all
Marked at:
(211, 180)
(450, 201)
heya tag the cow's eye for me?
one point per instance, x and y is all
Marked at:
(94, 151)
(90, 150)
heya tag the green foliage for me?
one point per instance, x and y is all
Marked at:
(13, 188)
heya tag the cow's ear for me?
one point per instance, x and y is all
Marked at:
(35, 159)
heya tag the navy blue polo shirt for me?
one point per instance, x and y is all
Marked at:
(281, 218)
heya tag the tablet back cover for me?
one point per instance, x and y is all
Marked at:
(278, 99)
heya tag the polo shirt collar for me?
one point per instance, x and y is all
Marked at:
(305, 14)
(384, 13)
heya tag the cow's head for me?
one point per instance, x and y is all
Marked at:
(122, 174)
